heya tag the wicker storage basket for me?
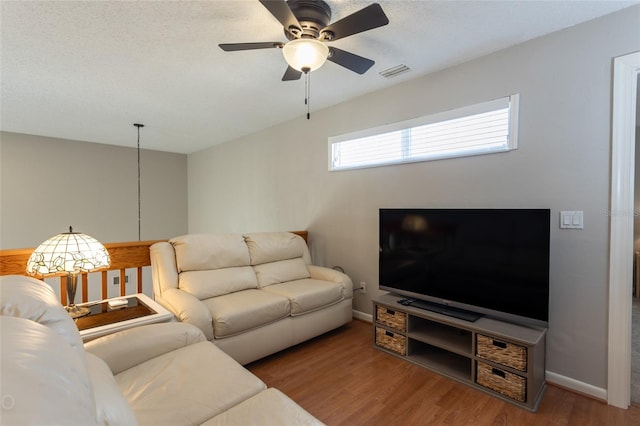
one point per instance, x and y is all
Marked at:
(508, 354)
(391, 341)
(390, 318)
(508, 384)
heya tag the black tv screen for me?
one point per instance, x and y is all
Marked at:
(493, 262)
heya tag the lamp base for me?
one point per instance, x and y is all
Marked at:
(77, 311)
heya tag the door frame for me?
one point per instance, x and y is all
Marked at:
(621, 214)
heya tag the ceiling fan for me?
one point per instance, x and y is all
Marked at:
(306, 25)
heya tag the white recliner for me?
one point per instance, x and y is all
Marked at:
(160, 374)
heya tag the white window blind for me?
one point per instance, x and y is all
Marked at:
(477, 129)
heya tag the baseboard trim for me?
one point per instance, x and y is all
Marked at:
(576, 386)
(362, 316)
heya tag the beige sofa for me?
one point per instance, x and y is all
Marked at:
(252, 294)
(160, 374)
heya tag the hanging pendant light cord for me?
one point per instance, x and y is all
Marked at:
(139, 198)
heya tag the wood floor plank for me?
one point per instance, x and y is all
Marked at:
(342, 380)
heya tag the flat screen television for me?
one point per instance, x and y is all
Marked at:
(468, 262)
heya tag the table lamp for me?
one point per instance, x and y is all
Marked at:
(71, 253)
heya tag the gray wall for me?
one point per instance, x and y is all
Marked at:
(278, 179)
(47, 184)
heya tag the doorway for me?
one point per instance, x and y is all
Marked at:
(635, 304)
(625, 83)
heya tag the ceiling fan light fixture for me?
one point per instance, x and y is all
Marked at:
(305, 54)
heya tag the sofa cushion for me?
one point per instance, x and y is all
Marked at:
(187, 386)
(44, 379)
(30, 298)
(111, 406)
(206, 284)
(281, 271)
(196, 252)
(244, 310)
(269, 407)
(307, 295)
(265, 247)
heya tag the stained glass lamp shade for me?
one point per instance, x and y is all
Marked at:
(71, 253)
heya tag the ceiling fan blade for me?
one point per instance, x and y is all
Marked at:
(280, 10)
(291, 74)
(233, 47)
(365, 19)
(350, 60)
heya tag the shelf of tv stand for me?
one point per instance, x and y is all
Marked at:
(449, 346)
(440, 360)
(453, 339)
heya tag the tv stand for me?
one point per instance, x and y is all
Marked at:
(500, 358)
(442, 309)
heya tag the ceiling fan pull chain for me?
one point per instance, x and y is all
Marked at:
(307, 90)
(308, 96)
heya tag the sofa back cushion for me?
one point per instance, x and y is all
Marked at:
(216, 282)
(265, 247)
(281, 271)
(278, 257)
(201, 252)
(33, 299)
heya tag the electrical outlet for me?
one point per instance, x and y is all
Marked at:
(363, 287)
(116, 280)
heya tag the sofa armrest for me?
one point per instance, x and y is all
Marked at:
(188, 308)
(163, 266)
(331, 275)
(128, 348)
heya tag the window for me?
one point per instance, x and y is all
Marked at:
(484, 128)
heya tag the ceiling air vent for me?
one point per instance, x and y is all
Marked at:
(393, 71)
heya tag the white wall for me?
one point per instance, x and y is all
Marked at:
(278, 179)
(47, 184)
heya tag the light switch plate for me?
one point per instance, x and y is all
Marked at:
(573, 219)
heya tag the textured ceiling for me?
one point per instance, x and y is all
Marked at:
(88, 70)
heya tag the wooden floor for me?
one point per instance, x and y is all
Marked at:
(342, 380)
